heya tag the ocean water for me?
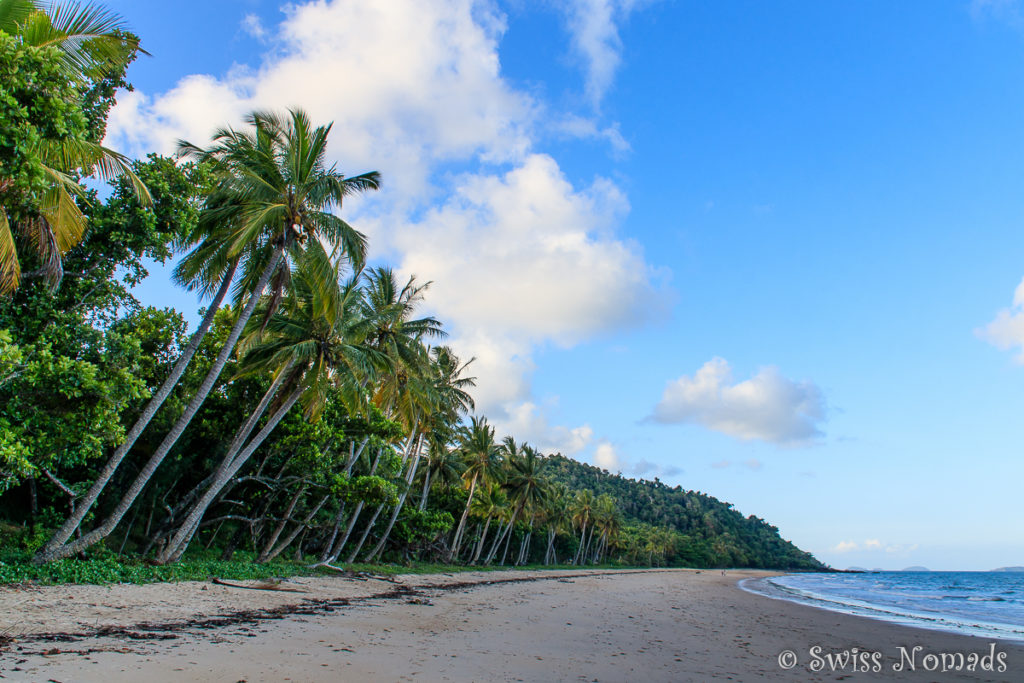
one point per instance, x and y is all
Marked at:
(988, 604)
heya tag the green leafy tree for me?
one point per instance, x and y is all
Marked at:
(48, 58)
(274, 191)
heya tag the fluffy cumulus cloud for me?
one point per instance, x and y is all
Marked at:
(518, 255)
(407, 84)
(522, 259)
(526, 255)
(1007, 330)
(528, 422)
(767, 407)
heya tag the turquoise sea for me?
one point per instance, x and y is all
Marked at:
(989, 604)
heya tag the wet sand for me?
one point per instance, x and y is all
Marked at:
(655, 625)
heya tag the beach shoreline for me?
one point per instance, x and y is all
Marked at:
(605, 625)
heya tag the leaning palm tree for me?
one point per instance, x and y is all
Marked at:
(490, 503)
(450, 401)
(606, 522)
(307, 345)
(403, 392)
(482, 456)
(444, 466)
(557, 516)
(526, 484)
(90, 43)
(582, 517)
(275, 192)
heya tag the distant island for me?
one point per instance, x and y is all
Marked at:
(1008, 569)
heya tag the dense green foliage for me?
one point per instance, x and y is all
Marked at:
(706, 531)
(36, 103)
(312, 415)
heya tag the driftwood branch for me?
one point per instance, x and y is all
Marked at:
(262, 586)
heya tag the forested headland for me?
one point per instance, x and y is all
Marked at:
(314, 414)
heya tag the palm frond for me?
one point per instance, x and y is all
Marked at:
(10, 268)
(14, 13)
(65, 219)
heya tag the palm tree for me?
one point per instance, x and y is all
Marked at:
(449, 402)
(275, 192)
(307, 345)
(444, 466)
(490, 503)
(90, 43)
(557, 515)
(606, 521)
(404, 392)
(526, 484)
(582, 515)
(482, 457)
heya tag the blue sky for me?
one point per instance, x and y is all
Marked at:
(768, 251)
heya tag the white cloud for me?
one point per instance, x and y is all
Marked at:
(528, 423)
(876, 545)
(520, 260)
(586, 128)
(519, 257)
(594, 32)
(606, 458)
(768, 406)
(753, 464)
(721, 464)
(528, 256)
(1007, 330)
(253, 26)
(408, 84)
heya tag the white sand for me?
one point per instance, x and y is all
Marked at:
(657, 625)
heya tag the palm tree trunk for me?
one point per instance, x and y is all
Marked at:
(548, 559)
(401, 501)
(524, 548)
(326, 556)
(426, 490)
(579, 551)
(502, 528)
(283, 545)
(457, 539)
(583, 555)
(366, 532)
(336, 551)
(67, 529)
(504, 555)
(236, 443)
(180, 541)
(508, 531)
(172, 437)
(480, 544)
(279, 529)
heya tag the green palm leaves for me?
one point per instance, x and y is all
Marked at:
(47, 57)
(92, 42)
(271, 208)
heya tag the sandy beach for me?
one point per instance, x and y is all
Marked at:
(654, 625)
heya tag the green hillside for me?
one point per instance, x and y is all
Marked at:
(705, 531)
